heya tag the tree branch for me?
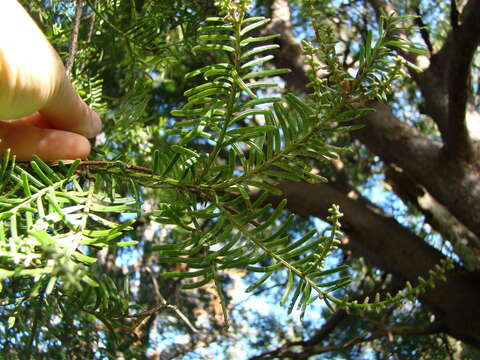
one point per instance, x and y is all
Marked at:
(432, 81)
(290, 53)
(383, 130)
(398, 143)
(335, 319)
(91, 26)
(74, 40)
(382, 6)
(444, 83)
(465, 244)
(423, 30)
(462, 42)
(420, 158)
(454, 14)
(380, 331)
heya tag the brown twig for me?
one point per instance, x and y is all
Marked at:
(93, 163)
(97, 163)
(423, 29)
(161, 304)
(364, 337)
(74, 40)
(92, 23)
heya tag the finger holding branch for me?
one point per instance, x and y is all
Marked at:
(44, 114)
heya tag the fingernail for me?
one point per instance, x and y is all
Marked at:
(95, 124)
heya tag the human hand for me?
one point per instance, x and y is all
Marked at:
(40, 112)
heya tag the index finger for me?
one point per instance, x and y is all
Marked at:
(65, 110)
(32, 76)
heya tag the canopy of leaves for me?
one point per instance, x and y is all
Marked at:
(184, 205)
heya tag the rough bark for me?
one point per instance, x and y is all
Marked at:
(462, 42)
(444, 82)
(454, 183)
(465, 244)
(290, 53)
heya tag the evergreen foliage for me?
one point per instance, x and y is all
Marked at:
(212, 170)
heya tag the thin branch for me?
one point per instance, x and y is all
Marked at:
(74, 40)
(454, 14)
(423, 30)
(380, 6)
(303, 355)
(333, 321)
(162, 300)
(91, 27)
(327, 328)
(364, 337)
(33, 335)
(95, 163)
(431, 80)
(92, 5)
(92, 164)
(341, 314)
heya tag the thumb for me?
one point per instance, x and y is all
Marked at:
(31, 135)
(65, 110)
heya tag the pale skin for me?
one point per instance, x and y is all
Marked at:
(40, 112)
